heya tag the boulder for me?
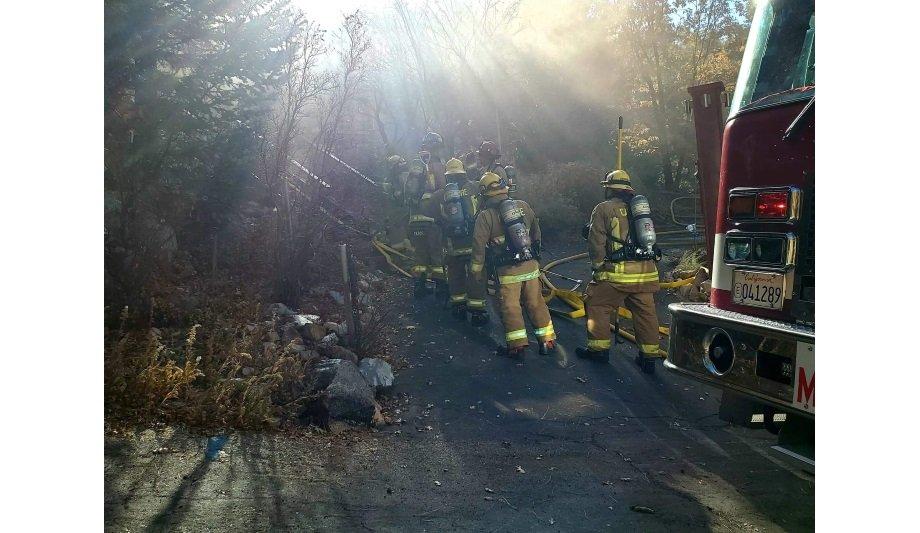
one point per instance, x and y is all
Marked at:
(339, 329)
(335, 351)
(290, 334)
(378, 373)
(329, 340)
(338, 297)
(303, 320)
(308, 355)
(323, 373)
(280, 309)
(347, 396)
(314, 332)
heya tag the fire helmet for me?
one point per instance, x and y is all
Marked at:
(491, 184)
(488, 148)
(395, 161)
(617, 180)
(454, 166)
(432, 140)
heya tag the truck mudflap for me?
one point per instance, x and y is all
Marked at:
(765, 360)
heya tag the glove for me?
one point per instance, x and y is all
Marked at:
(537, 247)
(657, 251)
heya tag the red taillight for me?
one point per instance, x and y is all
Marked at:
(772, 205)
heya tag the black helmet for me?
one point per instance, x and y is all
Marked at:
(432, 140)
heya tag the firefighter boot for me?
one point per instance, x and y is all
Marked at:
(514, 352)
(647, 364)
(479, 318)
(598, 356)
(421, 289)
(547, 347)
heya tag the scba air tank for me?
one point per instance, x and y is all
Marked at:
(517, 234)
(453, 209)
(643, 227)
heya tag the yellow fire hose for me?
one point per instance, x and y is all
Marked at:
(572, 298)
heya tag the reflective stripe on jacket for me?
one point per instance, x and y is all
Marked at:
(610, 219)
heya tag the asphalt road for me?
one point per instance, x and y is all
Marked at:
(484, 444)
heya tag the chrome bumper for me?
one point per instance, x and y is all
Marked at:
(764, 352)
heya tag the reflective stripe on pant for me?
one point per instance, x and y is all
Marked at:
(510, 296)
(602, 301)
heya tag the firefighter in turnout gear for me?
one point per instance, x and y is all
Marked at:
(624, 272)
(509, 232)
(424, 233)
(433, 145)
(458, 201)
(487, 158)
(395, 181)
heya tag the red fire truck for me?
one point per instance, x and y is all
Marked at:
(755, 339)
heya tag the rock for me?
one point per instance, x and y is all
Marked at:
(339, 329)
(302, 320)
(290, 334)
(314, 332)
(338, 297)
(335, 351)
(329, 340)
(705, 289)
(348, 396)
(280, 309)
(378, 420)
(323, 373)
(308, 355)
(378, 373)
(248, 371)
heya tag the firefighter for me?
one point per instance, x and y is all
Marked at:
(424, 234)
(510, 232)
(458, 201)
(623, 272)
(433, 145)
(488, 162)
(395, 180)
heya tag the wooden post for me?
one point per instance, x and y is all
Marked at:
(349, 291)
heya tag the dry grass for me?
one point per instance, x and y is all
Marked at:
(214, 374)
(689, 263)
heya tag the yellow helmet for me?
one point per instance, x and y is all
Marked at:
(491, 184)
(454, 166)
(617, 180)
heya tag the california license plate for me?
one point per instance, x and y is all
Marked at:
(759, 289)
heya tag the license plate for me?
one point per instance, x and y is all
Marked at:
(758, 289)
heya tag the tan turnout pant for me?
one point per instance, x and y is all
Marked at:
(510, 294)
(464, 289)
(429, 255)
(602, 301)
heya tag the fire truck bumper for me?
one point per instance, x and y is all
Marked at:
(767, 361)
